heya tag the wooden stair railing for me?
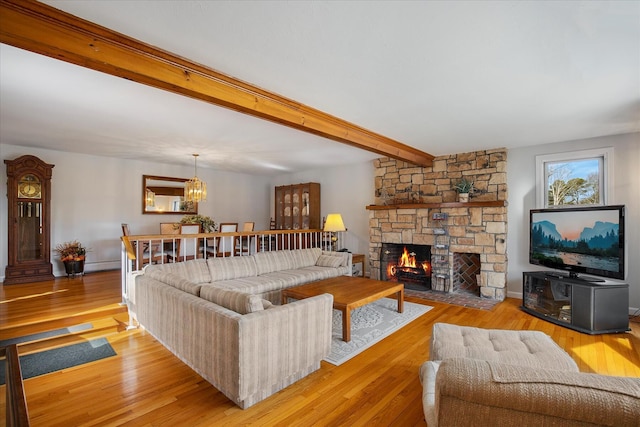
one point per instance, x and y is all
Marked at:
(16, 401)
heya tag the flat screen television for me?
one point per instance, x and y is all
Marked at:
(587, 240)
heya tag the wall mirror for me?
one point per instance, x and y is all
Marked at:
(165, 195)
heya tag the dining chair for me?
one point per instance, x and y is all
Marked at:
(145, 253)
(226, 244)
(125, 232)
(188, 248)
(169, 247)
(169, 228)
(209, 247)
(243, 242)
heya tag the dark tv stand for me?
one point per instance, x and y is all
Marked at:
(576, 303)
(586, 279)
(572, 275)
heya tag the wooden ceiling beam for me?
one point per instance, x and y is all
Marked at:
(42, 29)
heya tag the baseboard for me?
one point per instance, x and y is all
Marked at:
(89, 267)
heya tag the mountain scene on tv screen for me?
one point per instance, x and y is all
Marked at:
(557, 243)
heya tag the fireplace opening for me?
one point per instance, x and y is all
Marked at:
(408, 264)
(466, 273)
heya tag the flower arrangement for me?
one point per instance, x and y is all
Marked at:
(71, 251)
(207, 224)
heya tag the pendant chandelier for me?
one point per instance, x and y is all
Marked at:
(151, 199)
(195, 190)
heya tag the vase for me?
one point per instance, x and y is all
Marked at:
(463, 197)
(74, 267)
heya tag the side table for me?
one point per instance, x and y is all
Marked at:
(356, 258)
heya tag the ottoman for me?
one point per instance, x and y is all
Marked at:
(484, 377)
(523, 348)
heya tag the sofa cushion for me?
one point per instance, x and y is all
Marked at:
(255, 284)
(329, 261)
(195, 270)
(239, 302)
(305, 257)
(344, 256)
(309, 274)
(271, 261)
(174, 280)
(232, 267)
(468, 393)
(511, 374)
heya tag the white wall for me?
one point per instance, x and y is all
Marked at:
(92, 196)
(345, 189)
(522, 197)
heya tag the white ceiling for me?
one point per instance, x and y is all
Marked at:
(444, 77)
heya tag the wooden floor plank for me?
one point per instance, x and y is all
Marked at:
(145, 385)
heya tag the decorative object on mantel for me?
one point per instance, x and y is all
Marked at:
(464, 187)
(333, 225)
(73, 255)
(195, 190)
(384, 196)
(207, 224)
(483, 204)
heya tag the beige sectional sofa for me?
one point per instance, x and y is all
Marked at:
(517, 378)
(222, 317)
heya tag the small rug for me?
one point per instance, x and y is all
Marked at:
(48, 361)
(47, 334)
(370, 324)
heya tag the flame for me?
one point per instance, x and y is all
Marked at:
(426, 267)
(407, 260)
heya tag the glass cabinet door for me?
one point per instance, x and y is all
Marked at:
(29, 231)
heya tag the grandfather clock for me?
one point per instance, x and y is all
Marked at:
(29, 213)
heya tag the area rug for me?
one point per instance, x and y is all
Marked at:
(369, 325)
(47, 334)
(48, 361)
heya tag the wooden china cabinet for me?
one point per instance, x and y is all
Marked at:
(29, 215)
(298, 206)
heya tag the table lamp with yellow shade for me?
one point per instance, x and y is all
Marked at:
(334, 225)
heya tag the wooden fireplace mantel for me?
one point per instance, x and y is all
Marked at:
(486, 204)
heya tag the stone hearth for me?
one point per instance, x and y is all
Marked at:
(408, 195)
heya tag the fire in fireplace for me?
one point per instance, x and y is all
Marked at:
(409, 264)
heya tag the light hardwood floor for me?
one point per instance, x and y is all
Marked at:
(145, 385)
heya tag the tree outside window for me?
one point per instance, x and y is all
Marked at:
(573, 183)
(579, 178)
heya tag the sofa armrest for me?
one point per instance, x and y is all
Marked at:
(476, 392)
(283, 341)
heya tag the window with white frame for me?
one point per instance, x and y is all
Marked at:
(577, 178)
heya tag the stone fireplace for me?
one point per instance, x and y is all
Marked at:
(411, 203)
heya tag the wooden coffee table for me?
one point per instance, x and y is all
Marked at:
(348, 293)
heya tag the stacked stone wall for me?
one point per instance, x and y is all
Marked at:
(471, 229)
